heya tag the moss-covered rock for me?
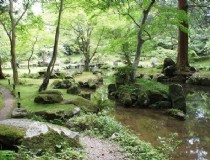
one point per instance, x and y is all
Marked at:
(92, 84)
(74, 89)
(37, 137)
(10, 137)
(177, 96)
(52, 143)
(65, 84)
(48, 98)
(125, 99)
(156, 96)
(142, 100)
(85, 104)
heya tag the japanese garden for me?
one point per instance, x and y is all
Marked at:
(104, 80)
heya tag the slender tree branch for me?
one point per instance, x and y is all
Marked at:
(5, 28)
(149, 35)
(95, 51)
(24, 12)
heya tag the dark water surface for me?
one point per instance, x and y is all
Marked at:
(194, 131)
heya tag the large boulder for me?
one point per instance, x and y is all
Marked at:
(142, 100)
(156, 96)
(168, 62)
(92, 84)
(74, 89)
(85, 95)
(125, 99)
(84, 104)
(177, 96)
(10, 137)
(170, 71)
(49, 97)
(112, 88)
(62, 84)
(31, 133)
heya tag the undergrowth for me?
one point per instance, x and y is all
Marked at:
(106, 127)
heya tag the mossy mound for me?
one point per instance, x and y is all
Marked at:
(49, 97)
(10, 137)
(52, 143)
(85, 104)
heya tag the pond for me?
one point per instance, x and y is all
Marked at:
(194, 132)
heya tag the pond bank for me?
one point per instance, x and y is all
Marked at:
(194, 131)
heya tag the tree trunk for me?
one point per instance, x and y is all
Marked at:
(140, 39)
(182, 57)
(1, 73)
(13, 45)
(86, 65)
(55, 51)
(32, 52)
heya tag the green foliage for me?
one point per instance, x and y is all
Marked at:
(32, 75)
(101, 99)
(11, 133)
(124, 75)
(107, 127)
(167, 145)
(7, 155)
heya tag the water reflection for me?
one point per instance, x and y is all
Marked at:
(194, 132)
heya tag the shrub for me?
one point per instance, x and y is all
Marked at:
(124, 75)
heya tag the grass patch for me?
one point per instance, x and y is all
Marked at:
(85, 76)
(28, 91)
(147, 85)
(152, 71)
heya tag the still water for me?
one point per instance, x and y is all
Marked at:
(194, 132)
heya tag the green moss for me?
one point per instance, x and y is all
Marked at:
(85, 104)
(147, 85)
(51, 142)
(55, 92)
(10, 137)
(45, 98)
(12, 133)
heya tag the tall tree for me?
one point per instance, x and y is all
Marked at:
(10, 29)
(84, 40)
(182, 56)
(55, 51)
(141, 40)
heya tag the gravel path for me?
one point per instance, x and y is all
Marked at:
(98, 149)
(8, 103)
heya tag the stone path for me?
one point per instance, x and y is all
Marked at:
(8, 103)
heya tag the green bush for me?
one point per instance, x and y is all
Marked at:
(124, 75)
(7, 155)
